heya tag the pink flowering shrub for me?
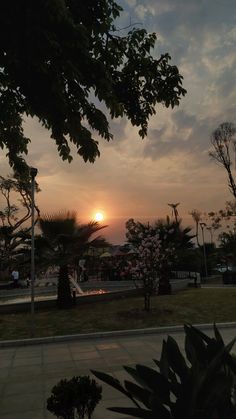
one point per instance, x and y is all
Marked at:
(155, 254)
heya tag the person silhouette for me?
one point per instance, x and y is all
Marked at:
(15, 277)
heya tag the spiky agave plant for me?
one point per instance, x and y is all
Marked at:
(199, 386)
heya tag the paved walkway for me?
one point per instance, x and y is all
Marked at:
(28, 373)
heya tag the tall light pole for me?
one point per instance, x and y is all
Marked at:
(202, 225)
(33, 174)
(211, 233)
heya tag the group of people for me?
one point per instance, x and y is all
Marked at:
(112, 270)
(107, 269)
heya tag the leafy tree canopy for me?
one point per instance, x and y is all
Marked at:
(60, 60)
(66, 239)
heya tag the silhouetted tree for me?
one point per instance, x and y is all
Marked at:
(196, 215)
(226, 215)
(15, 214)
(224, 146)
(59, 59)
(172, 239)
(174, 210)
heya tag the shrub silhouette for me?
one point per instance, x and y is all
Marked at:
(74, 398)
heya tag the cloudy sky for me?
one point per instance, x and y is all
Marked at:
(138, 178)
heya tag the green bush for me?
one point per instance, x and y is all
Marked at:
(200, 386)
(75, 398)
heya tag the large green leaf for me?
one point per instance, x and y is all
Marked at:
(217, 392)
(190, 351)
(231, 362)
(220, 359)
(108, 379)
(133, 372)
(218, 335)
(155, 382)
(139, 393)
(230, 345)
(195, 346)
(205, 338)
(174, 385)
(158, 409)
(163, 363)
(176, 359)
(136, 412)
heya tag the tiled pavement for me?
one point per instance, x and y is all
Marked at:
(28, 373)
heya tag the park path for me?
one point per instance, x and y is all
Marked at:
(27, 373)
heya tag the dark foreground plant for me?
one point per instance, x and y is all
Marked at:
(198, 387)
(74, 398)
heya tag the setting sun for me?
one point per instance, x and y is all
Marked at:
(99, 216)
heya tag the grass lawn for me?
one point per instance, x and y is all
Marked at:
(193, 306)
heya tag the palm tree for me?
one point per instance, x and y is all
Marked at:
(174, 210)
(64, 242)
(178, 236)
(197, 217)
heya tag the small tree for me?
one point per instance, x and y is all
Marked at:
(223, 140)
(156, 252)
(75, 398)
(154, 259)
(15, 227)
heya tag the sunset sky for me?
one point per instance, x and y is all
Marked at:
(137, 178)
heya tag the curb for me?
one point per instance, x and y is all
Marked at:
(103, 335)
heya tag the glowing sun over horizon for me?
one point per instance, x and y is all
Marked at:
(99, 216)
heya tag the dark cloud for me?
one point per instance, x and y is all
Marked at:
(226, 82)
(117, 128)
(197, 15)
(181, 133)
(184, 119)
(185, 25)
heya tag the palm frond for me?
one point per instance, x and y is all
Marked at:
(61, 223)
(67, 239)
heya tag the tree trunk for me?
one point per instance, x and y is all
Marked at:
(147, 300)
(197, 233)
(232, 186)
(64, 297)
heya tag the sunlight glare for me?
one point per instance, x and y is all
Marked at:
(99, 216)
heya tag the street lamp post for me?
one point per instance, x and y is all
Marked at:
(33, 174)
(211, 233)
(202, 225)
